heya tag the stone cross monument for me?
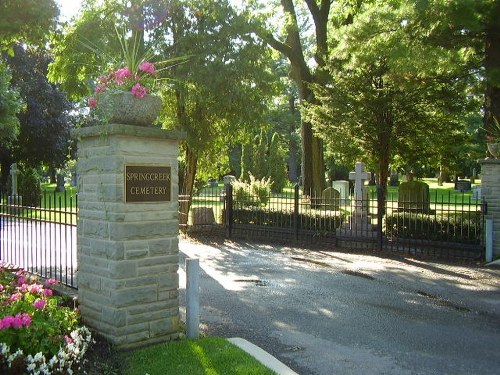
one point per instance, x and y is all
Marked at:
(13, 178)
(359, 176)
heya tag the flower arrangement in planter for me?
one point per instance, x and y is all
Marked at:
(124, 95)
(37, 334)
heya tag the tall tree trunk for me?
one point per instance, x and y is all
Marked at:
(187, 184)
(492, 64)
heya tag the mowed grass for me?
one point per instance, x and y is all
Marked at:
(210, 356)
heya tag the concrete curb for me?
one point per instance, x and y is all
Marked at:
(262, 356)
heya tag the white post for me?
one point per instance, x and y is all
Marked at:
(489, 240)
(192, 298)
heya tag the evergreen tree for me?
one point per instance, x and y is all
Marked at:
(276, 163)
(246, 161)
(260, 156)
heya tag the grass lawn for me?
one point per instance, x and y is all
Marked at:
(208, 355)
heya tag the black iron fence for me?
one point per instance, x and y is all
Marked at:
(443, 223)
(40, 238)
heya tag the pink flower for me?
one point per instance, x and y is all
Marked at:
(35, 288)
(92, 102)
(101, 87)
(68, 339)
(23, 288)
(21, 280)
(39, 304)
(121, 75)
(1, 287)
(18, 321)
(147, 67)
(139, 91)
(50, 282)
(14, 297)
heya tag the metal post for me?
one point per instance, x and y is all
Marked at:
(296, 211)
(229, 209)
(192, 298)
(489, 240)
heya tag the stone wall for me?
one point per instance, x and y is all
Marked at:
(490, 190)
(127, 252)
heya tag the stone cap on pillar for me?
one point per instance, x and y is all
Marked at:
(131, 130)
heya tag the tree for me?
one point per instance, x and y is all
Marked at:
(45, 124)
(10, 105)
(292, 45)
(391, 93)
(215, 96)
(276, 164)
(26, 21)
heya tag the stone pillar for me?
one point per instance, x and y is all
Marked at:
(490, 190)
(128, 227)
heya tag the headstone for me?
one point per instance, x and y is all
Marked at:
(462, 186)
(476, 192)
(14, 199)
(203, 216)
(60, 183)
(330, 199)
(414, 197)
(14, 172)
(359, 176)
(213, 182)
(359, 222)
(394, 178)
(342, 187)
(228, 179)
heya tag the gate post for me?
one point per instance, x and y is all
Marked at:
(127, 233)
(490, 191)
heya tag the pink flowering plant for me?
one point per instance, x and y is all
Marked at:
(37, 334)
(139, 82)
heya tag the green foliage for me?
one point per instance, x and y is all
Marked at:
(10, 106)
(253, 193)
(260, 156)
(276, 164)
(29, 187)
(454, 227)
(246, 161)
(26, 20)
(315, 222)
(35, 330)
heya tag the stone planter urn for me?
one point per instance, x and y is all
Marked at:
(494, 149)
(125, 108)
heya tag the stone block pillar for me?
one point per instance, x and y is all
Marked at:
(490, 190)
(128, 227)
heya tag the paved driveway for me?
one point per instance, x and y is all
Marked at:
(336, 313)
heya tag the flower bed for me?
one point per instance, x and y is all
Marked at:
(37, 334)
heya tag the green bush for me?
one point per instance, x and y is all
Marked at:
(29, 187)
(252, 194)
(285, 219)
(456, 227)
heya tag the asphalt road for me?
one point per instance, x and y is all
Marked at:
(324, 313)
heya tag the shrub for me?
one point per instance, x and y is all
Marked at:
(253, 193)
(37, 334)
(29, 187)
(459, 227)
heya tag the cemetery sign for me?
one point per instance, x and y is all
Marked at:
(147, 183)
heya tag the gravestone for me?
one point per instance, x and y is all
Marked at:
(359, 222)
(14, 199)
(462, 186)
(202, 216)
(330, 199)
(414, 197)
(127, 233)
(60, 182)
(228, 179)
(342, 187)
